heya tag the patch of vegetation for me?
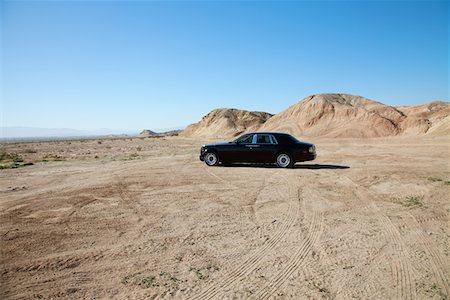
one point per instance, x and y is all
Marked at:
(14, 165)
(169, 277)
(52, 157)
(10, 166)
(126, 280)
(164, 279)
(147, 282)
(10, 157)
(99, 142)
(435, 290)
(132, 156)
(179, 258)
(434, 179)
(413, 201)
(29, 150)
(203, 273)
(139, 148)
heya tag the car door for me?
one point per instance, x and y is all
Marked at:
(264, 149)
(240, 149)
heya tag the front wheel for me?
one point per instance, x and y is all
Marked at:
(211, 159)
(284, 160)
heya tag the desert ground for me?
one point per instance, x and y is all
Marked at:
(143, 218)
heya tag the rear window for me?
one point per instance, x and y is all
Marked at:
(263, 139)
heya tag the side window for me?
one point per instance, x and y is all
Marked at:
(274, 140)
(263, 139)
(246, 139)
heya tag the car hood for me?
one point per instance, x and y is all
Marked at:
(305, 144)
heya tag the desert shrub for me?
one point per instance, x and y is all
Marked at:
(139, 148)
(14, 165)
(413, 201)
(29, 150)
(11, 157)
(434, 179)
(9, 166)
(53, 157)
(132, 156)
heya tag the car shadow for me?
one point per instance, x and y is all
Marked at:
(318, 166)
(302, 166)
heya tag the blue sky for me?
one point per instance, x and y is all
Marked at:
(132, 65)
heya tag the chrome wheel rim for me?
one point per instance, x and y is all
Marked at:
(210, 159)
(283, 160)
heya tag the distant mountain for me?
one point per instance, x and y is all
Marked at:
(32, 132)
(226, 122)
(147, 133)
(330, 115)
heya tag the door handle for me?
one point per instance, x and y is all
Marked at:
(251, 146)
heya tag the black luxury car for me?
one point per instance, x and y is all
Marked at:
(259, 147)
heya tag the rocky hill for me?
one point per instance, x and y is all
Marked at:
(147, 133)
(226, 122)
(431, 119)
(343, 115)
(330, 115)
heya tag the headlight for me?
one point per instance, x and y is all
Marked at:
(312, 149)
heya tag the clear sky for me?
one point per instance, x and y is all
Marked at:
(132, 65)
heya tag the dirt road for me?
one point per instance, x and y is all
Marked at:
(367, 219)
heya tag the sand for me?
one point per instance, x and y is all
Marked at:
(144, 218)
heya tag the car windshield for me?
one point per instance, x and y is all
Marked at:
(245, 139)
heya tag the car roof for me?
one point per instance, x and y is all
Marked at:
(269, 132)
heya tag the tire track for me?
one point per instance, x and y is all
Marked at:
(400, 265)
(251, 263)
(244, 215)
(438, 263)
(297, 259)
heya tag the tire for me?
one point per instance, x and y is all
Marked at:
(211, 159)
(284, 160)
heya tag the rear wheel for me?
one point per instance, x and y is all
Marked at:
(284, 160)
(211, 159)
